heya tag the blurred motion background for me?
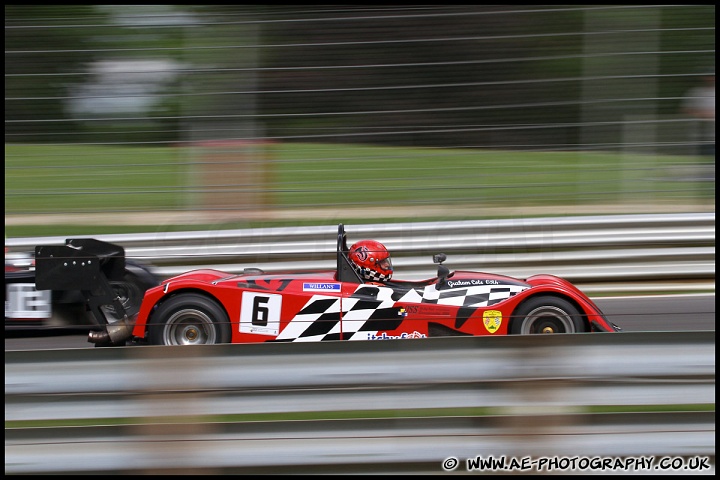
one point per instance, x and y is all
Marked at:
(141, 118)
(119, 116)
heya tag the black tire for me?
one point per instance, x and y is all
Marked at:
(189, 319)
(130, 291)
(546, 314)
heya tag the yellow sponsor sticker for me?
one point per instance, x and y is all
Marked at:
(492, 320)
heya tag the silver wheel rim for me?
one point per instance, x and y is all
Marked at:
(189, 327)
(547, 319)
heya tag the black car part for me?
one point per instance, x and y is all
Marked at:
(88, 265)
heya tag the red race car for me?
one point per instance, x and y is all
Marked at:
(359, 300)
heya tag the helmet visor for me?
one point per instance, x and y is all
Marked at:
(385, 264)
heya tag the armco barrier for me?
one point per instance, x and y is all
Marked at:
(344, 407)
(621, 249)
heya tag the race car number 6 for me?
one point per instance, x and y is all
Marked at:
(260, 313)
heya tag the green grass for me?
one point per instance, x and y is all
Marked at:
(58, 179)
(342, 415)
(67, 179)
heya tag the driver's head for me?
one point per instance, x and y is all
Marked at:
(371, 260)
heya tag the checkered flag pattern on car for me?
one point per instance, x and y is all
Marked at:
(365, 315)
(315, 322)
(472, 296)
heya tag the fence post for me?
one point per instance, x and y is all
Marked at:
(233, 175)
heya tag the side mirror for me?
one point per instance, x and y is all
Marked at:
(443, 271)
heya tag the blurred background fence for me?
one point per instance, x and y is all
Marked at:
(248, 110)
(397, 406)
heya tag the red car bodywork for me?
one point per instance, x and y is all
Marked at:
(316, 306)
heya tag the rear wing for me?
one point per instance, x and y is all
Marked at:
(78, 265)
(84, 264)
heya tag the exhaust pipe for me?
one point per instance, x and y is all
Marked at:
(114, 334)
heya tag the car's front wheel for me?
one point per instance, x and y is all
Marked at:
(189, 319)
(546, 314)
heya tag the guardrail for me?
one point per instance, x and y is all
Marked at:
(590, 249)
(390, 406)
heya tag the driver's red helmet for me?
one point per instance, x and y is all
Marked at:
(371, 260)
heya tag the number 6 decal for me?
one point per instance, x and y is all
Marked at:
(260, 313)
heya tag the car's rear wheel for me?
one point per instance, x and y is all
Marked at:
(129, 292)
(546, 314)
(189, 319)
